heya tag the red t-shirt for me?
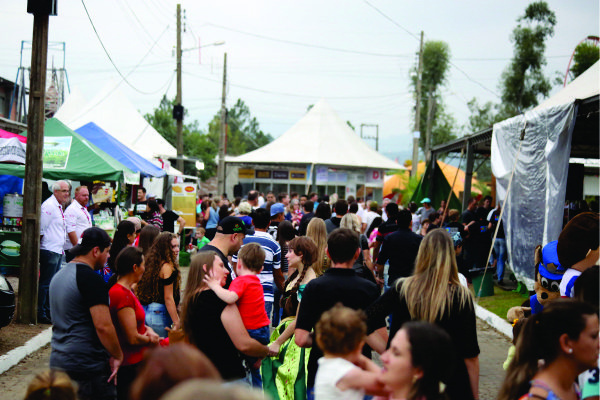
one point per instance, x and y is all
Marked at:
(251, 302)
(121, 297)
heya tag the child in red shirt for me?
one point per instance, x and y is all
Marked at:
(247, 291)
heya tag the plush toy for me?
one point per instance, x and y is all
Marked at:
(577, 248)
(548, 275)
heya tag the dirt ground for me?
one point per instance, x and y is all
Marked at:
(15, 335)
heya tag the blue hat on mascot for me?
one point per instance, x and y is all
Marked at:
(550, 267)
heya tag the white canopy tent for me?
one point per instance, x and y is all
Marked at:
(319, 153)
(115, 114)
(321, 137)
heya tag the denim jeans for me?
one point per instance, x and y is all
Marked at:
(269, 308)
(158, 318)
(49, 265)
(500, 249)
(262, 335)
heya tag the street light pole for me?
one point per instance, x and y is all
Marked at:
(416, 132)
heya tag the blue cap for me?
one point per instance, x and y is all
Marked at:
(277, 208)
(550, 267)
(426, 200)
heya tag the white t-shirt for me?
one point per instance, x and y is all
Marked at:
(567, 277)
(329, 373)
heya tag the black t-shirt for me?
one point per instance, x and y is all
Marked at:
(304, 223)
(335, 285)
(210, 337)
(494, 220)
(460, 324)
(169, 218)
(210, 247)
(400, 248)
(468, 216)
(385, 229)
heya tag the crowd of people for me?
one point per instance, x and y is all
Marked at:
(291, 295)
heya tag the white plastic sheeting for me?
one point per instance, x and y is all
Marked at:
(534, 208)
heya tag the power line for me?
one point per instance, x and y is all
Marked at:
(123, 77)
(308, 44)
(417, 38)
(392, 21)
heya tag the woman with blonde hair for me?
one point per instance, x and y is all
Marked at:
(51, 384)
(317, 231)
(159, 288)
(434, 294)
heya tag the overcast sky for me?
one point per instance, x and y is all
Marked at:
(283, 56)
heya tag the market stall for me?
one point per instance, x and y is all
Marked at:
(67, 155)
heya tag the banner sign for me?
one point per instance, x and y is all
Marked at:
(298, 175)
(56, 151)
(245, 173)
(184, 202)
(374, 176)
(263, 174)
(278, 174)
(321, 175)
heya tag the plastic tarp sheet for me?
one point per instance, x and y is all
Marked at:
(119, 151)
(533, 212)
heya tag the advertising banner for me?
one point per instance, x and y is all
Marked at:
(184, 202)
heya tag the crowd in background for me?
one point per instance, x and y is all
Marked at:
(291, 294)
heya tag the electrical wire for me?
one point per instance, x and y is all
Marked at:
(316, 46)
(123, 77)
(418, 38)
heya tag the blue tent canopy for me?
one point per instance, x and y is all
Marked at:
(119, 151)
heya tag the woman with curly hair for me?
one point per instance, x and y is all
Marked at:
(317, 231)
(147, 236)
(159, 289)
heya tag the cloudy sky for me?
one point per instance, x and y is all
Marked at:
(283, 56)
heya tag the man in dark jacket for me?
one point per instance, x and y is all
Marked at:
(340, 208)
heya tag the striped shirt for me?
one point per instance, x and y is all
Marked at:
(272, 260)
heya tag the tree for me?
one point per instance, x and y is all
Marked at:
(482, 116)
(523, 80)
(196, 144)
(436, 60)
(586, 55)
(243, 130)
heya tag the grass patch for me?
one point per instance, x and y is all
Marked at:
(501, 301)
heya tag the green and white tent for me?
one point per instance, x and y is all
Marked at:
(67, 155)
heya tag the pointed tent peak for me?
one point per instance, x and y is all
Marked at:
(320, 137)
(72, 103)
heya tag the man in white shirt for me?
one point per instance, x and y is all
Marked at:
(77, 219)
(52, 240)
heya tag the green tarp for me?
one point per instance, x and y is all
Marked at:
(67, 155)
(434, 185)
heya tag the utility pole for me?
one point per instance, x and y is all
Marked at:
(178, 108)
(376, 137)
(416, 132)
(223, 135)
(32, 199)
(430, 111)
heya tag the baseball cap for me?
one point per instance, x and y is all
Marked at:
(426, 200)
(230, 225)
(550, 267)
(277, 208)
(91, 237)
